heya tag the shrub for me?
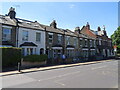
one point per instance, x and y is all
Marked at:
(69, 60)
(35, 58)
(10, 56)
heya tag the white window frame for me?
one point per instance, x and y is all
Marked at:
(39, 37)
(7, 38)
(59, 39)
(23, 35)
(50, 38)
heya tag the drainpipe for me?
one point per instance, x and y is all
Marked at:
(45, 40)
(17, 32)
(64, 42)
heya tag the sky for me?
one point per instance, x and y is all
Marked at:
(68, 15)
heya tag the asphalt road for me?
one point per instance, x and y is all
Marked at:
(99, 75)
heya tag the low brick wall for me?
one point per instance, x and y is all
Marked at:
(31, 64)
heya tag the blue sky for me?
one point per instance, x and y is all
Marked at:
(68, 14)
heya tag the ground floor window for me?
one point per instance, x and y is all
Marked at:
(57, 53)
(92, 52)
(70, 53)
(85, 53)
(29, 51)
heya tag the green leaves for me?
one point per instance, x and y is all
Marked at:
(116, 37)
(35, 58)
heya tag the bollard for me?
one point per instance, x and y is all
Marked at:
(18, 66)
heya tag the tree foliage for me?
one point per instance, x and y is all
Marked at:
(116, 39)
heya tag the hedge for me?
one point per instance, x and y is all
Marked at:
(35, 58)
(10, 56)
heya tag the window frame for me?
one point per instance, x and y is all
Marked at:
(39, 36)
(24, 35)
(10, 32)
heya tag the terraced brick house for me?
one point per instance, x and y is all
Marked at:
(102, 44)
(36, 38)
(54, 40)
(9, 26)
(28, 35)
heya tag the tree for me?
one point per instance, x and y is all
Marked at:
(116, 38)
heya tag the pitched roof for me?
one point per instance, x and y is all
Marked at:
(7, 20)
(21, 22)
(58, 30)
(29, 24)
(87, 32)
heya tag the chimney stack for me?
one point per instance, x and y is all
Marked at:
(88, 26)
(53, 24)
(12, 13)
(99, 29)
(77, 30)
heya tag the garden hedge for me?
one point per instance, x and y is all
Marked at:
(35, 58)
(10, 56)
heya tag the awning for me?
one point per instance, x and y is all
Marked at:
(28, 44)
(57, 46)
(70, 47)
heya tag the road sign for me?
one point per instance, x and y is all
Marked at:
(115, 48)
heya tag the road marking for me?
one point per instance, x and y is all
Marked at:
(103, 73)
(98, 67)
(59, 83)
(60, 76)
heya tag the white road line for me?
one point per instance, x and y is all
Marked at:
(103, 73)
(98, 67)
(59, 76)
(59, 83)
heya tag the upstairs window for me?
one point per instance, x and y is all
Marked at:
(59, 39)
(25, 36)
(6, 34)
(50, 36)
(38, 37)
(81, 42)
(86, 44)
(68, 40)
(75, 41)
(90, 43)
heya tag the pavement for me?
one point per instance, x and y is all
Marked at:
(49, 68)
